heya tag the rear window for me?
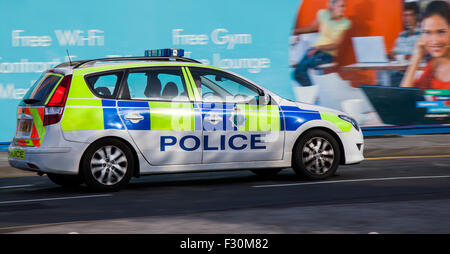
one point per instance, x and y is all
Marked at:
(37, 95)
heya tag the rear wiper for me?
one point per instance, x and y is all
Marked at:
(31, 101)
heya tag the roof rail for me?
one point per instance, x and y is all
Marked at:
(78, 64)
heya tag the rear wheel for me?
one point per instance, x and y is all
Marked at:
(316, 155)
(66, 181)
(107, 165)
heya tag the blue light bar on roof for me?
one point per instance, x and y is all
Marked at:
(165, 52)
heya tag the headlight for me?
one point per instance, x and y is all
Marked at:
(350, 120)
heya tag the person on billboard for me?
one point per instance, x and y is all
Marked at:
(332, 26)
(435, 40)
(406, 40)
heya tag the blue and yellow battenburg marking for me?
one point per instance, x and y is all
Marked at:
(294, 117)
(134, 107)
(111, 119)
(189, 116)
(173, 116)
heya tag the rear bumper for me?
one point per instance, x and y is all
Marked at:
(58, 160)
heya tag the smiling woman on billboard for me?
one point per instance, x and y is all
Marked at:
(435, 41)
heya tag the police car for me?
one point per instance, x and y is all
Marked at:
(103, 121)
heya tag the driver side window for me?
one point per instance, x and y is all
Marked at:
(216, 86)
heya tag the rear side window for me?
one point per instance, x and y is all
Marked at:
(155, 84)
(104, 85)
(37, 95)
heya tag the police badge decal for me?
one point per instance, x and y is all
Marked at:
(238, 118)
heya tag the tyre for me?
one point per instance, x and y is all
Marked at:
(66, 181)
(316, 155)
(107, 165)
(268, 172)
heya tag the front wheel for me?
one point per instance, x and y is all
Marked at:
(316, 155)
(107, 165)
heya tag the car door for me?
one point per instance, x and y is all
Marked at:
(236, 125)
(156, 105)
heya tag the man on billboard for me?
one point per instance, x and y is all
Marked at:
(404, 45)
(332, 26)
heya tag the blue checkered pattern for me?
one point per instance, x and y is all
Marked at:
(404, 45)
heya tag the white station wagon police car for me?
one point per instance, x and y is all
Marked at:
(102, 121)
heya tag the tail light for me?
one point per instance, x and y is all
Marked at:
(55, 107)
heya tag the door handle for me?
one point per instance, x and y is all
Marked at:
(134, 117)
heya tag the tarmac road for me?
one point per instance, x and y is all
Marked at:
(385, 195)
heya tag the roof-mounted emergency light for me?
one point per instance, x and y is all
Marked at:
(165, 52)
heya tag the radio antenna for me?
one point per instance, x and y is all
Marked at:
(70, 61)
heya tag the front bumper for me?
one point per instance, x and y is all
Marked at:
(353, 144)
(58, 160)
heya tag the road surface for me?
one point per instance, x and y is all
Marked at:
(384, 195)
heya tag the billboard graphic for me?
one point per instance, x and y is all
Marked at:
(358, 56)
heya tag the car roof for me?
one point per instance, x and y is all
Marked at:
(122, 62)
(82, 63)
(109, 66)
